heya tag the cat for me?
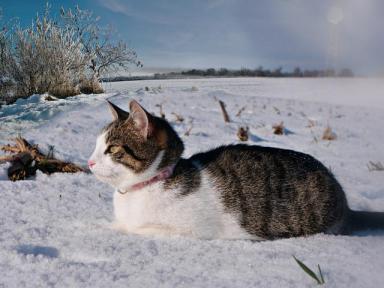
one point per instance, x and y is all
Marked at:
(231, 192)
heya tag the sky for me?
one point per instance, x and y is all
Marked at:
(238, 33)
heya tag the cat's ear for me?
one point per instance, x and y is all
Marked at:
(141, 118)
(117, 113)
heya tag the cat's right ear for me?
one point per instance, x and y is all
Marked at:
(117, 113)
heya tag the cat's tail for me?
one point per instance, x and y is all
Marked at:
(362, 220)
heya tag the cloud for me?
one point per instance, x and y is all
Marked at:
(115, 6)
(118, 6)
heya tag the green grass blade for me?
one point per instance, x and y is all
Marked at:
(321, 274)
(307, 270)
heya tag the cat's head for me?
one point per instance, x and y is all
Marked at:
(134, 147)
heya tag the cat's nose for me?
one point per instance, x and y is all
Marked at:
(91, 163)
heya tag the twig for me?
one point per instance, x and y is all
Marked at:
(188, 132)
(4, 159)
(311, 123)
(179, 118)
(224, 111)
(277, 110)
(240, 111)
(162, 114)
(372, 166)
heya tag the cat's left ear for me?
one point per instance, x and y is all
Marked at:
(141, 118)
(117, 113)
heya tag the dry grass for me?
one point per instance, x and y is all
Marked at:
(279, 129)
(240, 111)
(328, 134)
(375, 166)
(188, 132)
(277, 110)
(91, 87)
(64, 91)
(27, 159)
(311, 123)
(49, 98)
(161, 112)
(243, 133)
(178, 117)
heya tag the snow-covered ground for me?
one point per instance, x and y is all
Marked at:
(55, 230)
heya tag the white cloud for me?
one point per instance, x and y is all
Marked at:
(118, 6)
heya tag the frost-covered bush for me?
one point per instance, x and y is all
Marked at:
(104, 54)
(7, 84)
(63, 56)
(47, 58)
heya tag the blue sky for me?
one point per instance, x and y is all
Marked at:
(239, 33)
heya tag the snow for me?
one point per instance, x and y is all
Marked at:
(55, 230)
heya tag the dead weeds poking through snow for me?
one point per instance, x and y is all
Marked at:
(243, 133)
(375, 166)
(27, 159)
(279, 129)
(328, 134)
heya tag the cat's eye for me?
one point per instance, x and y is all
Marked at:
(112, 149)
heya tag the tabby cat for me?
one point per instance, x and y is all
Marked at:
(231, 192)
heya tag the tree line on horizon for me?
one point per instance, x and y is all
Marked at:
(243, 72)
(263, 72)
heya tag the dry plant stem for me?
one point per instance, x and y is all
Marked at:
(277, 110)
(240, 111)
(179, 118)
(224, 111)
(188, 132)
(4, 159)
(162, 114)
(378, 166)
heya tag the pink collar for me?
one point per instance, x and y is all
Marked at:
(165, 173)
